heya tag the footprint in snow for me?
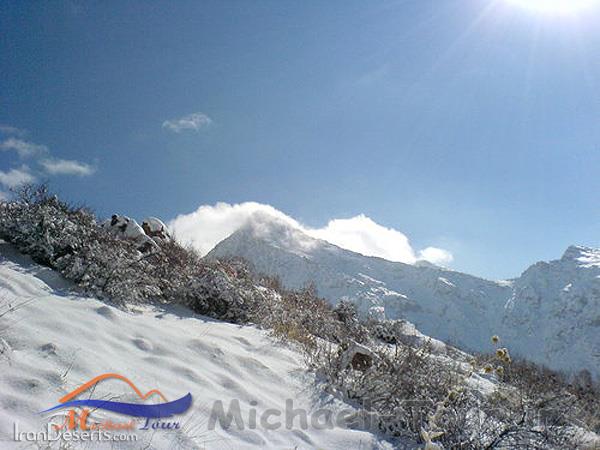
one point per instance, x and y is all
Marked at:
(49, 348)
(201, 347)
(106, 312)
(24, 384)
(143, 344)
(243, 341)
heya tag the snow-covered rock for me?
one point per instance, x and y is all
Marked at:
(126, 228)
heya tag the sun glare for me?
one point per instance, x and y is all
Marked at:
(556, 6)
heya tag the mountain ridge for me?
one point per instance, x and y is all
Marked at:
(547, 314)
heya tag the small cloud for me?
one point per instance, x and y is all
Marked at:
(436, 255)
(16, 177)
(41, 154)
(23, 148)
(191, 122)
(8, 129)
(3, 196)
(67, 167)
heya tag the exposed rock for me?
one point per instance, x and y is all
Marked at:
(358, 357)
(155, 228)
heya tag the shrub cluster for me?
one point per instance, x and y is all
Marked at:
(560, 398)
(70, 240)
(412, 393)
(301, 316)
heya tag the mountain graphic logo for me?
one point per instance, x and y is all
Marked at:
(157, 410)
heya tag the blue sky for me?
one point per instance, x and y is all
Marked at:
(469, 125)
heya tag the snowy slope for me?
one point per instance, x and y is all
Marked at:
(551, 314)
(58, 340)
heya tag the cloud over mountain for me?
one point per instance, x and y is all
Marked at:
(209, 225)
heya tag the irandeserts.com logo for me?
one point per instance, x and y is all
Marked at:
(79, 417)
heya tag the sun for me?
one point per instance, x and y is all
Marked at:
(556, 6)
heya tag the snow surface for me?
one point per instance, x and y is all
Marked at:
(59, 340)
(550, 314)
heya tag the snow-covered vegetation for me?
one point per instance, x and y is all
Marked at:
(401, 384)
(117, 262)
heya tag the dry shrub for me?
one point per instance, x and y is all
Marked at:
(291, 332)
(302, 316)
(415, 394)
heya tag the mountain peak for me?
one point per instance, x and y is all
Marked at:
(583, 256)
(277, 232)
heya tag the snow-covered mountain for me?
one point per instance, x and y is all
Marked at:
(550, 314)
(554, 311)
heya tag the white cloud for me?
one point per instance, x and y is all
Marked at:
(16, 177)
(41, 153)
(23, 148)
(436, 256)
(67, 167)
(208, 225)
(9, 129)
(4, 196)
(191, 122)
(362, 235)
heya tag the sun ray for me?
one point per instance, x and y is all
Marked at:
(556, 7)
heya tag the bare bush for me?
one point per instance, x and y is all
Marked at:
(303, 317)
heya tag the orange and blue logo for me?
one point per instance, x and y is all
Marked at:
(139, 409)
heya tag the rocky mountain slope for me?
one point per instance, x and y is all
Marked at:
(550, 314)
